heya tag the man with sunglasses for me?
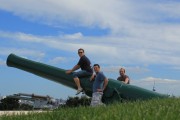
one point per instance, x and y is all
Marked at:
(85, 65)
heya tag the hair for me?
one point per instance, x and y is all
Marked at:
(97, 65)
(81, 49)
(122, 69)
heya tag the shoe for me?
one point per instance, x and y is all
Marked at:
(79, 90)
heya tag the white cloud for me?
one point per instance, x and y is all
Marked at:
(166, 86)
(21, 51)
(58, 60)
(115, 69)
(159, 80)
(176, 68)
(74, 36)
(117, 15)
(171, 8)
(108, 48)
(134, 20)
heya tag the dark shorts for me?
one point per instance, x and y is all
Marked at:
(81, 73)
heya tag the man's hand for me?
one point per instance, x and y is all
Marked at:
(99, 90)
(68, 71)
(92, 77)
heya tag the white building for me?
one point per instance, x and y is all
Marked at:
(37, 101)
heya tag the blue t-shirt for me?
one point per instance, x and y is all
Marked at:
(98, 82)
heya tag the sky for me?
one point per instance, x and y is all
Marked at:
(143, 36)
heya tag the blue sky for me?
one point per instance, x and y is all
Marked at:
(142, 36)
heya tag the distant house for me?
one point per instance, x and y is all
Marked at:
(37, 101)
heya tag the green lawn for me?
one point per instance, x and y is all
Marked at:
(156, 109)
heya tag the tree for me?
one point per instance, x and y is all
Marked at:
(76, 101)
(9, 104)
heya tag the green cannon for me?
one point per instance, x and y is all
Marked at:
(115, 91)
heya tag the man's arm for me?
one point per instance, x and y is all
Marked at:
(73, 69)
(104, 85)
(126, 80)
(92, 76)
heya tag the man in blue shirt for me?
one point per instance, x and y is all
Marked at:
(85, 65)
(99, 85)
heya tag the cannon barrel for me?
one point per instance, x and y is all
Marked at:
(115, 90)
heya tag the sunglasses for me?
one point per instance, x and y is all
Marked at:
(80, 52)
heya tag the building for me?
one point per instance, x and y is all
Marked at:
(37, 101)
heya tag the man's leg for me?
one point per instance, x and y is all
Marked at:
(96, 99)
(77, 81)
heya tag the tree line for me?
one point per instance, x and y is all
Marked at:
(13, 103)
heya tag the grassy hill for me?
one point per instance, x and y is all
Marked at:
(155, 109)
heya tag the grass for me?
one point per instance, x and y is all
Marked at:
(155, 109)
